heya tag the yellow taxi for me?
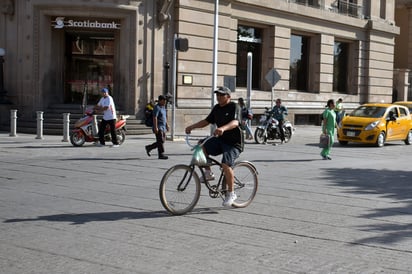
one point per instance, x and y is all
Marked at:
(407, 104)
(376, 124)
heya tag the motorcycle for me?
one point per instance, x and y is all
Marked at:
(268, 128)
(86, 129)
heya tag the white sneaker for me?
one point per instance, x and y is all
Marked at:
(209, 176)
(115, 145)
(229, 199)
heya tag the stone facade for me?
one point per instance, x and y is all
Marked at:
(35, 62)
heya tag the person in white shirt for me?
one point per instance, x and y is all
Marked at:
(106, 105)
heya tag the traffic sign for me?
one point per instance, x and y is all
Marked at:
(272, 77)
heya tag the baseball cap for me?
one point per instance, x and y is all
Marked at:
(105, 90)
(161, 97)
(223, 90)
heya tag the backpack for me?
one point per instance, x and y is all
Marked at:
(149, 117)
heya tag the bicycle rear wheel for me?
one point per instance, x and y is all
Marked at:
(246, 183)
(179, 189)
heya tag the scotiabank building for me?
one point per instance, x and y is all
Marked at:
(304, 52)
(57, 51)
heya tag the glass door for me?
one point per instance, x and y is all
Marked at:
(89, 66)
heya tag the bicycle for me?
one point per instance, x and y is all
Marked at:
(180, 186)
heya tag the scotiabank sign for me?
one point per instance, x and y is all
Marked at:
(62, 22)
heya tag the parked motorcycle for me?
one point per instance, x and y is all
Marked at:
(268, 128)
(86, 130)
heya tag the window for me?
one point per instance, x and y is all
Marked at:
(348, 7)
(299, 62)
(249, 40)
(402, 112)
(340, 67)
(311, 3)
(383, 9)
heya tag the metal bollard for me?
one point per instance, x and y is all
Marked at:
(95, 129)
(13, 122)
(66, 126)
(39, 125)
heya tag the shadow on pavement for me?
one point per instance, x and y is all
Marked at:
(391, 184)
(83, 218)
(336, 144)
(285, 161)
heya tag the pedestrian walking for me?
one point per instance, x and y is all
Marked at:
(106, 105)
(339, 110)
(159, 128)
(247, 116)
(328, 127)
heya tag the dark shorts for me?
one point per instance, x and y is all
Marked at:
(215, 146)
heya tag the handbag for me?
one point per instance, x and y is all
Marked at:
(324, 141)
(199, 157)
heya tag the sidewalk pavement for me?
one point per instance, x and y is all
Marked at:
(87, 209)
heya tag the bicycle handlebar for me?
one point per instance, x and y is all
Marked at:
(191, 145)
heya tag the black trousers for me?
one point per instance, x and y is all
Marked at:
(102, 129)
(160, 140)
(281, 131)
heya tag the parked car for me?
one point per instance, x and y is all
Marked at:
(407, 104)
(376, 124)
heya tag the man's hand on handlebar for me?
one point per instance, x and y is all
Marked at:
(218, 132)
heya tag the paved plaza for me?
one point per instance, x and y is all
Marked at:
(96, 210)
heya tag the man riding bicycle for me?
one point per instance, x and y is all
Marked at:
(227, 141)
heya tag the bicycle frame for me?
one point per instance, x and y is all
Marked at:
(220, 187)
(215, 189)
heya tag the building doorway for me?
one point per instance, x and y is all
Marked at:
(89, 62)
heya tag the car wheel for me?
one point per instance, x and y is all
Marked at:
(408, 139)
(343, 143)
(380, 142)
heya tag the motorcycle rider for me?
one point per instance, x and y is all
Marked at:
(106, 105)
(279, 112)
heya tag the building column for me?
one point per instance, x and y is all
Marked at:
(281, 54)
(326, 63)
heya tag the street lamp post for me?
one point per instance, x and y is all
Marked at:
(3, 93)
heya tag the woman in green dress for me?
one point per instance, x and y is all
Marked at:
(328, 127)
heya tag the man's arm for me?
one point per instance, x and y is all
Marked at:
(231, 125)
(200, 124)
(100, 108)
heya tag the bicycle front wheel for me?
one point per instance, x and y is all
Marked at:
(246, 183)
(179, 189)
